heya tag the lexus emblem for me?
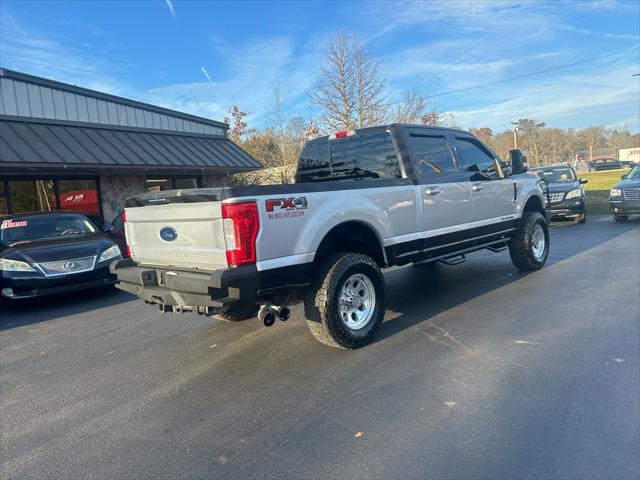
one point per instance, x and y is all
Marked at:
(68, 266)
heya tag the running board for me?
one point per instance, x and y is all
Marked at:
(495, 246)
(455, 260)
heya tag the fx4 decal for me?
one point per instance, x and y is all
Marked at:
(291, 203)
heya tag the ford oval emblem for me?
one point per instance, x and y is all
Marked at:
(168, 234)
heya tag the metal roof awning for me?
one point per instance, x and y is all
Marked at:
(29, 144)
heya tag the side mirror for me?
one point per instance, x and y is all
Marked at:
(518, 162)
(583, 181)
(108, 228)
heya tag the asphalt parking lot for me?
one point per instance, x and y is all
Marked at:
(478, 372)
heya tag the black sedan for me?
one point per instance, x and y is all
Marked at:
(52, 252)
(565, 192)
(624, 197)
(604, 164)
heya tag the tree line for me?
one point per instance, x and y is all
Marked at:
(350, 93)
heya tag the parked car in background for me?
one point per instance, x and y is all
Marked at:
(46, 253)
(624, 197)
(566, 194)
(603, 164)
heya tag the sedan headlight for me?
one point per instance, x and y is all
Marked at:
(574, 194)
(111, 252)
(615, 192)
(7, 265)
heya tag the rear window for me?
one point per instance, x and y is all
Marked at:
(363, 156)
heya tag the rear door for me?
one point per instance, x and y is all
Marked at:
(444, 191)
(493, 195)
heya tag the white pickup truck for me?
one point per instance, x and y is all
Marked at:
(363, 200)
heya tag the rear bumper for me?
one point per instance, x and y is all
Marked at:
(186, 289)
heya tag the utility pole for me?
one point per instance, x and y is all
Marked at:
(515, 134)
(590, 152)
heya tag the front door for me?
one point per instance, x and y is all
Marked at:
(493, 195)
(444, 191)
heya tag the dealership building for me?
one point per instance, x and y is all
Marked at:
(64, 147)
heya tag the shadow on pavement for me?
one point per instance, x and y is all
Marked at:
(17, 313)
(417, 294)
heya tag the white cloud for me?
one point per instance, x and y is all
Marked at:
(169, 4)
(49, 56)
(570, 100)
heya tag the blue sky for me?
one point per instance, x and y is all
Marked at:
(202, 57)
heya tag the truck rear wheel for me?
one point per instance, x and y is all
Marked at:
(345, 303)
(529, 248)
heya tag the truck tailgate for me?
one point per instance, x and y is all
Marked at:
(177, 235)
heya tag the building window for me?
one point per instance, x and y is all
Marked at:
(185, 183)
(45, 195)
(4, 206)
(161, 184)
(32, 196)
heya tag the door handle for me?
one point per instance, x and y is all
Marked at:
(477, 188)
(431, 191)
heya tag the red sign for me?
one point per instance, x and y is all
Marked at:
(81, 201)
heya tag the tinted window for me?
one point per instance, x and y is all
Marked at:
(45, 226)
(364, 156)
(431, 155)
(474, 158)
(313, 165)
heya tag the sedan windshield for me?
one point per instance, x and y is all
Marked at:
(634, 174)
(556, 175)
(44, 226)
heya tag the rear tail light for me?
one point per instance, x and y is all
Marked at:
(241, 225)
(124, 220)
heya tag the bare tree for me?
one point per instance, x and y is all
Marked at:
(411, 110)
(370, 107)
(349, 90)
(278, 121)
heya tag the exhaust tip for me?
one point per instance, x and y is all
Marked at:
(267, 315)
(284, 314)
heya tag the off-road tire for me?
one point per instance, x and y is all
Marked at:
(239, 311)
(520, 247)
(322, 298)
(620, 218)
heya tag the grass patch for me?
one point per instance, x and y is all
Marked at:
(602, 180)
(597, 199)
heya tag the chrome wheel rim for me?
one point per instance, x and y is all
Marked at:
(357, 301)
(538, 242)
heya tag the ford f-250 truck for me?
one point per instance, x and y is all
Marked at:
(363, 200)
